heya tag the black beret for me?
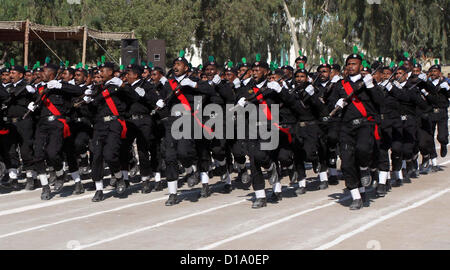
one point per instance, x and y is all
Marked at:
(336, 67)
(438, 67)
(5, 69)
(402, 68)
(231, 69)
(135, 68)
(52, 66)
(107, 65)
(353, 56)
(302, 58)
(368, 69)
(18, 69)
(323, 66)
(260, 64)
(84, 71)
(181, 59)
(288, 68)
(301, 70)
(417, 65)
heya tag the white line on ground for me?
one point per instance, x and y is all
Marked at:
(159, 225)
(379, 220)
(214, 245)
(42, 205)
(268, 225)
(81, 217)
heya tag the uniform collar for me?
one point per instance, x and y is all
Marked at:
(324, 84)
(135, 82)
(355, 78)
(260, 85)
(436, 82)
(180, 78)
(15, 84)
(246, 81)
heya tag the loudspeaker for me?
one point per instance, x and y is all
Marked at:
(129, 50)
(156, 53)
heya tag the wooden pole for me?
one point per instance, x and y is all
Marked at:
(26, 42)
(83, 59)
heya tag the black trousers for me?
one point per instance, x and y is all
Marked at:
(48, 145)
(21, 136)
(258, 159)
(4, 149)
(105, 147)
(285, 151)
(356, 144)
(187, 151)
(141, 130)
(425, 136)
(439, 120)
(391, 138)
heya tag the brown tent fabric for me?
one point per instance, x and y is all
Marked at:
(15, 31)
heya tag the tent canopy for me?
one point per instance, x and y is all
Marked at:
(15, 31)
(26, 31)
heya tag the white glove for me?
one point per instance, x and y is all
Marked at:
(88, 92)
(274, 86)
(30, 89)
(424, 92)
(368, 81)
(385, 83)
(163, 80)
(242, 102)
(341, 103)
(335, 79)
(237, 83)
(310, 90)
(116, 81)
(445, 85)
(140, 91)
(31, 106)
(310, 79)
(423, 77)
(389, 86)
(285, 85)
(54, 84)
(216, 80)
(398, 85)
(87, 99)
(188, 82)
(160, 103)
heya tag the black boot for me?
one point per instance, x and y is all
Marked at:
(323, 185)
(381, 190)
(275, 197)
(79, 189)
(172, 200)
(45, 195)
(365, 178)
(316, 166)
(205, 191)
(245, 178)
(300, 191)
(333, 180)
(146, 187)
(356, 204)
(121, 186)
(159, 186)
(59, 183)
(30, 184)
(193, 179)
(98, 197)
(227, 188)
(259, 203)
(113, 181)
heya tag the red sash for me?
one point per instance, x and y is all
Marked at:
(52, 108)
(4, 131)
(113, 108)
(182, 98)
(360, 107)
(268, 114)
